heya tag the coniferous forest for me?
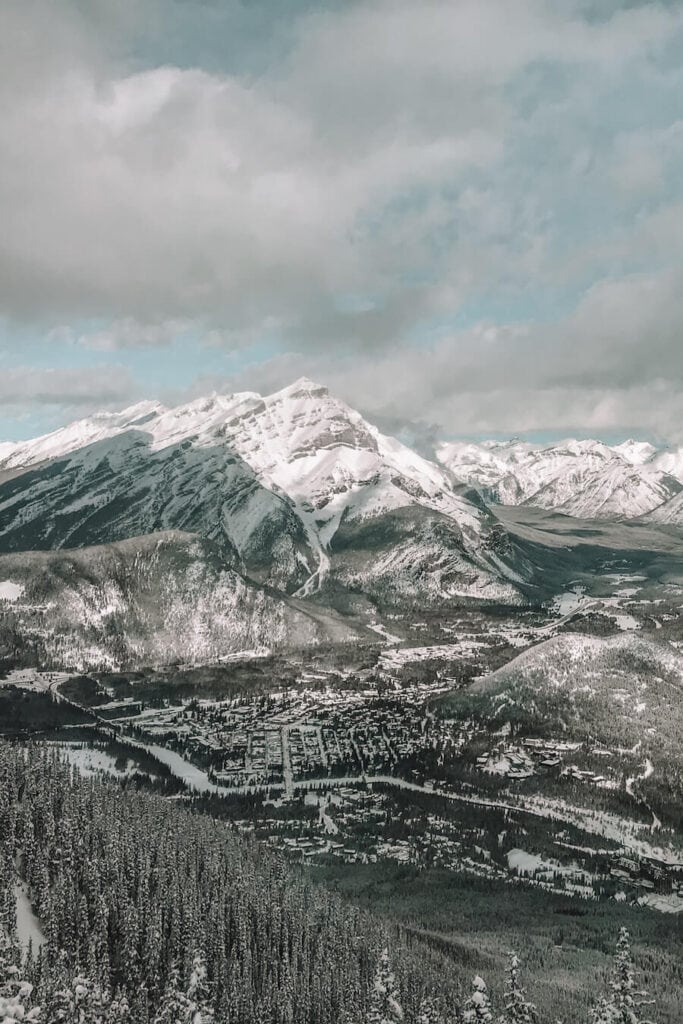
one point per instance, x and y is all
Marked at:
(153, 914)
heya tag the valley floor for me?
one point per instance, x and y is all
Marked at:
(383, 761)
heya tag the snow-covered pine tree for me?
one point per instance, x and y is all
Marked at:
(477, 1009)
(81, 1002)
(175, 1005)
(15, 992)
(518, 1009)
(429, 1012)
(385, 1007)
(198, 992)
(118, 1011)
(626, 1002)
(603, 1013)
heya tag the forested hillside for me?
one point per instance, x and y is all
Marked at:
(624, 691)
(156, 915)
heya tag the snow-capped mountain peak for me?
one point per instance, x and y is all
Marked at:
(584, 478)
(332, 466)
(273, 478)
(635, 452)
(79, 434)
(301, 387)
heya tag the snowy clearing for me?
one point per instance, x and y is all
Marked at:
(29, 929)
(10, 591)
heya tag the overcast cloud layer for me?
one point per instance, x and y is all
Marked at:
(466, 217)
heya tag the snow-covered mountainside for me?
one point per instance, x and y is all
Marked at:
(159, 599)
(586, 479)
(270, 479)
(623, 691)
(416, 556)
(670, 512)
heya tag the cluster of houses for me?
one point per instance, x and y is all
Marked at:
(533, 756)
(306, 754)
(308, 733)
(506, 760)
(319, 734)
(263, 755)
(571, 771)
(648, 873)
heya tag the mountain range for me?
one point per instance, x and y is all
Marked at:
(585, 479)
(281, 518)
(291, 500)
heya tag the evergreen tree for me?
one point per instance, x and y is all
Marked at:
(91, 1002)
(81, 1002)
(477, 1009)
(385, 1007)
(119, 1010)
(16, 1003)
(175, 1007)
(603, 1013)
(518, 1009)
(198, 992)
(429, 1012)
(625, 1002)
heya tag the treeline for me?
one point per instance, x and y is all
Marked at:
(155, 915)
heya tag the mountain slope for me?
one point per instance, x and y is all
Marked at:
(122, 486)
(270, 479)
(150, 600)
(417, 557)
(586, 479)
(620, 691)
(670, 512)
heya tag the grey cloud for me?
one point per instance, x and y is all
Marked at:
(377, 167)
(170, 192)
(420, 435)
(91, 387)
(649, 410)
(262, 377)
(129, 333)
(615, 365)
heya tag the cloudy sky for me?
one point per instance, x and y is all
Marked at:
(464, 216)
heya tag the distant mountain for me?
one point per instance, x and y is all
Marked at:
(586, 479)
(671, 512)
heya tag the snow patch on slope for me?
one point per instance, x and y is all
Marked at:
(10, 591)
